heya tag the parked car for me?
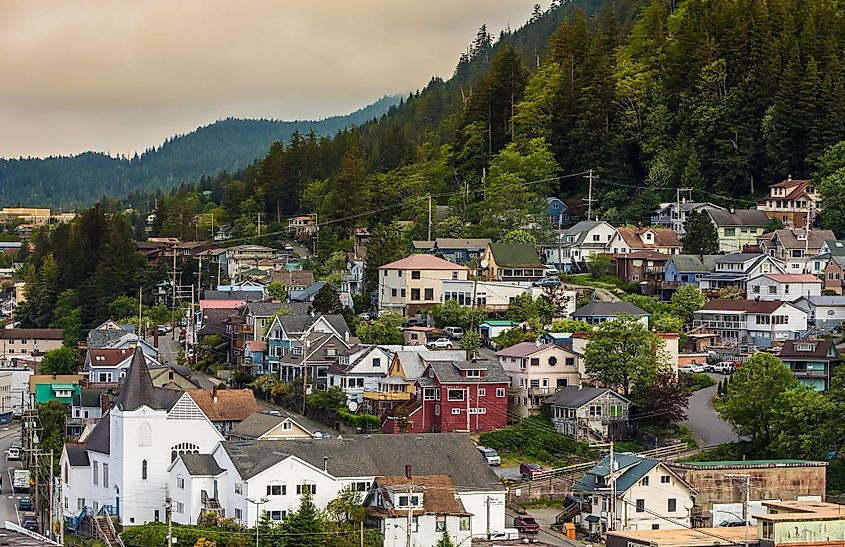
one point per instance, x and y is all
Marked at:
(551, 271)
(490, 455)
(547, 282)
(455, 333)
(530, 470)
(414, 322)
(163, 329)
(288, 247)
(526, 524)
(25, 504)
(505, 535)
(440, 343)
(368, 315)
(725, 367)
(30, 523)
(732, 523)
(13, 454)
(692, 368)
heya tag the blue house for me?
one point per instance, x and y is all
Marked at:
(557, 212)
(685, 269)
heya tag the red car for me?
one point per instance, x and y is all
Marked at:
(526, 524)
(530, 470)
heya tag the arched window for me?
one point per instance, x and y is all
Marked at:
(145, 434)
(143, 470)
(183, 448)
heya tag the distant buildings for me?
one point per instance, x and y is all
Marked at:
(789, 202)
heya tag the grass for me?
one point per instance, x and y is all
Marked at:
(535, 439)
(676, 431)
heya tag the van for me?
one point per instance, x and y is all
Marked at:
(504, 535)
(13, 454)
(490, 455)
(455, 333)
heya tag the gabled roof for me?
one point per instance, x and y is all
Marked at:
(820, 350)
(31, 334)
(308, 293)
(374, 456)
(421, 262)
(514, 255)
(740, 217)
(138, 389)
(294, 278)
(832, 300)
(455, 243)
(635, 237)
(440, 496)
(576, 397)
(201, 465)
(787, 183)
(748, 306)
(87, 398)
(108, 357)
(789, 238)
(244, 296)
(414, 362)
(448, 372)
(58, 379)
(607, 309)
(793, 278)
(232, 405)
(263, 309)
(77, 454)
(836, 247)
(523, 349)
(631, 468)
(257, 424)
(99, 438)
(739, 258)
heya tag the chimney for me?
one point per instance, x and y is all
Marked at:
(54, 376)
(732, 209)
(407, 471)
(214, 393)
(788, 177)
(104, 402)
(155, 337)
(326, 464)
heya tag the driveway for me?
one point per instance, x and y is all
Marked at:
(510, 472)
(545, 517)
(702, 419)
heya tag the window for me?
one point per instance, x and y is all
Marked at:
(755, 289)
(277, 515)
(105, 475)
(595, 410)
(535, 383)
(80, 503)
(454, 275)
(640, 506)
(482, 392)
(393, 293)
(428, 394)
(437, 409)
(730, 232)
(673, 505)
(463, 524)
(277, 489)
(473, 374)
(773, 289)
(655, 527)
(429, 294)
(500, 392)
(455, 395)
(535, 361)
(415, 294)
(180, 482)
(96, 470)
(180, 507)
(143, 470)
(644, 481)
(615, 411)
(570, 361)
(596, 237)
(456, 411)
(104, 377)
(768, 530)
(301, 487)
(440, 523)
(376, 361)
(238, 513)
(415, 274)
(665, 479)
(403, 293)
(552, 361)
(238, 488)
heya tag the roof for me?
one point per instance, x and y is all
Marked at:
(414, 362)
(576, 397)
(77, 454)
(22, 538)
(836, 246)
(232, 405)
(137, 389)
(295, 278)
(748, 306)
(257, 424)
(738, 258)
(374, 455)
(456, 243)
(789, 238)
(448, 371)
(307, 293)
(233, 296)
(439, 495)
(263, 309)
(631, 469)
(605, 309)
(694, 263)
(422, 244)
(515, 255)
(797, 511)
(663, 237)
(786, 183)
(422, 262)
(99, 438)
(821, 349)
(31, 334)
(256, 345)
(523, 349)
(832, 300)
(500, 323)
(793, 278)
(752, 463)
(87, 397)
(740, 217)
(108, 357)
(42, 379)
(688, 537)
(201, 465)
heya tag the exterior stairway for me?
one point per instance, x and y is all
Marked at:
(105, 532)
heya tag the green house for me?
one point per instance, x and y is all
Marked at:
(44, 388)
(812, 362)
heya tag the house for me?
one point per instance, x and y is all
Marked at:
(457, 250)
(812, 362)
(171, 376)
(646, 268)
(352, 280)
(266, 427)
(308, 293)
(32, 343)
(44, 388)
(596, 313)
(789, 201)
(735, 269)
(106, 333)
(795, 248)
(313, 358)
(415, 282)
(281, 470)
(759, 322)
(825, 312)
(298, 280)
(192, 248)
(538, 370)
(86, 408)
(122, 467)
(357, 369)
(797, 523)
(557, 212)
(225, 232)
(685, 269)
(737, 228)
(466, 396)
(786, 287)
(647, 492)
(674, 215)
(590, 413)
(577, 244)
(492, 328)
(511, 262)
(834, 274)
(431, 502)
(286, 332)
(629, 240)
(240, 258)
(226, 408)
(495, 296)
(109, 365)
(303, 225)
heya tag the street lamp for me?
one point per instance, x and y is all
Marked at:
(258, 504)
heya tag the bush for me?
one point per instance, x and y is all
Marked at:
(156, 533)
(363, 421)
(694, 382)
(534, 438)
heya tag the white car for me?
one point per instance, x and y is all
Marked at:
(490, 455)
(440, 343)
(692, 368)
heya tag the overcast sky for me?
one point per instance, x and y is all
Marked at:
(122, 75)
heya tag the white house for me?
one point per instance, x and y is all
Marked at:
(759, 322)
(122, 467)
(735, 269)
(495, 296)
(647, 491)
(578, 243)
(784, 287)
(281, 470)
(674, 215)
(538, 370)
(109, 365)
(826, 312)
(359, 368)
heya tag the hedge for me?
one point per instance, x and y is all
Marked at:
(364, 421)
(155, 534)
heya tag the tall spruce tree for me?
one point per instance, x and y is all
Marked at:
(701, 236)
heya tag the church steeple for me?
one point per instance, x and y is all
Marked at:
(138, 388)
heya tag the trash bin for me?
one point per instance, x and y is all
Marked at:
(569, 530)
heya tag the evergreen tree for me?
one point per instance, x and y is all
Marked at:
(327, 300)
(304, 527)
(701, 236)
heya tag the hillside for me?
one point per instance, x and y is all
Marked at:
(226, 145)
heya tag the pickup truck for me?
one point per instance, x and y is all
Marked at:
(725, 367)
(530, 470)
(526, 524)
(20, 480)
(440, 343)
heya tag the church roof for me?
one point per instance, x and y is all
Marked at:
(138, 389)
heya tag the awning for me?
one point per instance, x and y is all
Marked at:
(62, 387)
(592, 518)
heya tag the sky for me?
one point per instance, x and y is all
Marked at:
(120, 76)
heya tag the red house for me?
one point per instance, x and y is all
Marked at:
(454, 396)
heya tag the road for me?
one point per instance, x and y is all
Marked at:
(8, 500)
(545, 517)
(168, 347)
(702, 419)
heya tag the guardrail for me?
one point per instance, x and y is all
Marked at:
(665, 451)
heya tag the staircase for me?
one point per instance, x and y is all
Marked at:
(210, 505)
(104, 530)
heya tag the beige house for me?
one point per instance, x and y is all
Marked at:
(29, 342)
(537, 371)
(415, 282)
(266, 427)
(789, 201)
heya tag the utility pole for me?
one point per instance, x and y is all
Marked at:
(807, 222)
(410, 510)
(589, 199)
(305, 373)
(258, 503)
(487, 503)
(612, 489)
(168, 511)
(173, 304)
(52, 499)
(259, 224)
(429, 218)
(746, 500)
(140, 332)
(678, 206)
(560, 241)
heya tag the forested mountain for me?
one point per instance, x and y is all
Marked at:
(226, 145)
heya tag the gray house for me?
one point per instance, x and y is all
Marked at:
(590, 413)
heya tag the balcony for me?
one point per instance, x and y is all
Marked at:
(654, 270)
(387, 395)
(244, 329)
(811, 373)
(720, 325)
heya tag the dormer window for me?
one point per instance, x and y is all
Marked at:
(805, 347)
(297, 350)
(331, 352)
(403, 499)
(473, 373)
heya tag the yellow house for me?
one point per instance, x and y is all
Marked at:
(511, 262)
(738, 227)
(267, 427)
(415, 282)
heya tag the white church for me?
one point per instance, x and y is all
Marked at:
(122, 466)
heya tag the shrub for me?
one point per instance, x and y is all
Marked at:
(363, 421)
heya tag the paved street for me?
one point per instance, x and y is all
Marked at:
(8, 500)
(703, 420)
(168, 347)
(545, 517)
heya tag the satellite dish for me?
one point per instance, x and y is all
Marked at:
(352, 406)
(484, 264)
(688, 504)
